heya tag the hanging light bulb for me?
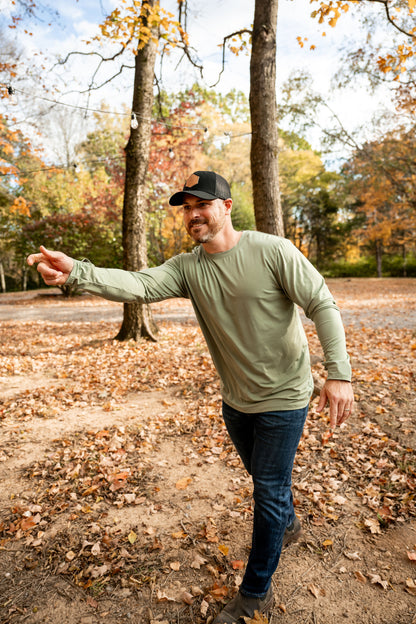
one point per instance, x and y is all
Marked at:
(171, 153)
(10, 90)
(206, 133)
(134, 123)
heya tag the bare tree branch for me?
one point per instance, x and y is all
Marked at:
(391, 20)
(234, 34)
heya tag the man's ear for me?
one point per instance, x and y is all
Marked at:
(228, 203)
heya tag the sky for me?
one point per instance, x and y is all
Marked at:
(208, 23)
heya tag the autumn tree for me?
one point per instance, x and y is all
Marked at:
(139, 30)
(312, 203)
(17, 156)
(264, 142)
(263, 110)
(384, 56)
(381, 181)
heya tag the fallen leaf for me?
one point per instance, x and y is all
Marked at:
(218, 591)
(237, 564)
(70, 555)
(204, 608)
(175, 565)
(373, 525)
(315, 590)
(182, 484)
(411, 586)
(411, 555)
(96, 549)
(360, 576)
(197, 562)
(257, 619)
(353, 556)
(187, 598)
(132, 537)
(163, 597)
(377, 580)
(223, 549)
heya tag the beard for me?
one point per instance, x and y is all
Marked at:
(207, 232)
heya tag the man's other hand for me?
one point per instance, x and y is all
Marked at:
(340, 396)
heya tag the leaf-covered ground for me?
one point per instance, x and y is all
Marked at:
(122, 499)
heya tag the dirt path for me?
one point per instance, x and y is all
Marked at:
(126, 503)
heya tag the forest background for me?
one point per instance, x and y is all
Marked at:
(346, 179)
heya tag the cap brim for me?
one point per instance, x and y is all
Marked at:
(178, 198)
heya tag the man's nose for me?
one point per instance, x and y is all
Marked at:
(194, 211)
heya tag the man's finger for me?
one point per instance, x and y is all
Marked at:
(52, 255)
(34, 258)
(47, 271)
(322, 400)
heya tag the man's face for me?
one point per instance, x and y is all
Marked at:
(203, 218)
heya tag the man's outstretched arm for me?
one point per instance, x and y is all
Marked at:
(54, 266)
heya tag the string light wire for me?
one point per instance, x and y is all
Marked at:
(227, 135)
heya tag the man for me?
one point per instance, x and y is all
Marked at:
(245, 288)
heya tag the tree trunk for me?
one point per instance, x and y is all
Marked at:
(379, 257)
(24, 277)
(264, 141)
(2, 278)
(137, 318)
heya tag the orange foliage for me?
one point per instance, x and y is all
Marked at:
(382, 179)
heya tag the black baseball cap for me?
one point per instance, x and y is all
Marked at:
(203, 184)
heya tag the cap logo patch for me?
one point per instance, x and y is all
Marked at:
(192, 180)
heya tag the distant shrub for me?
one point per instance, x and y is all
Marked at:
(364, 267)
(393, 266)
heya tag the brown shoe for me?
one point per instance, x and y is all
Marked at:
(244, 606)
(292, 533)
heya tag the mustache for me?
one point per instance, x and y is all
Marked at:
(196, 222)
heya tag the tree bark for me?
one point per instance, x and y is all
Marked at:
(2, 278)
(264, 142)
(379, 258)
(137, 318)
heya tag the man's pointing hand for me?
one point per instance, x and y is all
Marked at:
(54, 266)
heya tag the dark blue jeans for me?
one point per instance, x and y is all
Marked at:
(266, 443)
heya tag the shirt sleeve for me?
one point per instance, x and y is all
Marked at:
(147, 286)
(306, 287)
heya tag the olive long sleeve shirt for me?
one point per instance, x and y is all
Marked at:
(245, 300)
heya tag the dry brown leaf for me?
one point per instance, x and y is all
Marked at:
(204, 608)
(377, 580)
(258, 618)
(411, 586)
(360, 576)
(223, 549)
(197, 562)
(315, 590)
(187, 598)
(182, 484)
(237, 564)
(175, 565)
(373, 525)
